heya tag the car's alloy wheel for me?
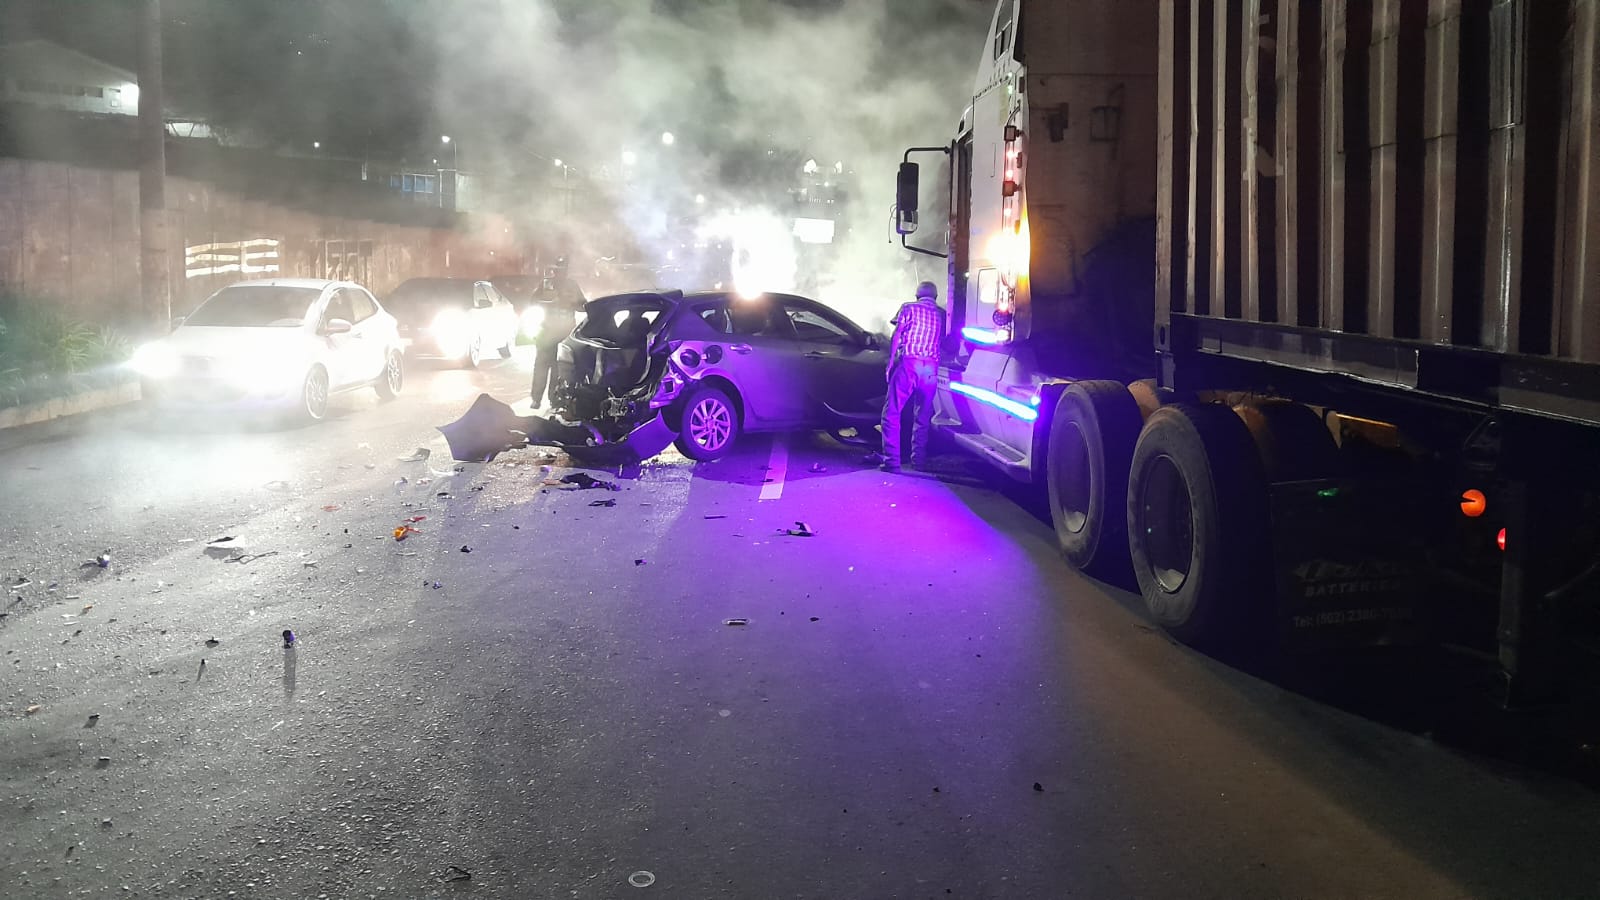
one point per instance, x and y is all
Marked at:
(393, 377)
(475, 352)
(710, 425)
(314, 395)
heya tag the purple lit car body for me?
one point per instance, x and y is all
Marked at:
(647, 369)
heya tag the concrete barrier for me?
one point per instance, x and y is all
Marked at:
(55, 408)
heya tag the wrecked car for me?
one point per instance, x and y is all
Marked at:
(651, 368)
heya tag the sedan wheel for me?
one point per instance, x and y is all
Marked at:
(474, 353)
(710, 425)
(393, 377)
(314, 395)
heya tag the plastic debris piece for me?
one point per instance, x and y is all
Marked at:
(103, 560)
(332, 507)
(32, 709)
(1037, 786)
(221, 540)
(818, 467)
(277, 484)
(736, 621)
(247, 558)
(212, 642)
(415, 519)
(401, 482)
(640, 562)
(585, 481)
(642, 879)
(102, 761)
(800, 529)
(465, 549)
(417, 455)
(456, 873)
(87, 607)
(815, 618)
(607, 502)
(288, 638)
(405, 531)
(716, 517)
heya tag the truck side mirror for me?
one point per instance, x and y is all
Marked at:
(905, 199)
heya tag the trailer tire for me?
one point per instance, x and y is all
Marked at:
(1197, 525)
(1294, 442)
(1092, 434)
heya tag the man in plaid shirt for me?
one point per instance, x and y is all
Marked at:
(913, 361)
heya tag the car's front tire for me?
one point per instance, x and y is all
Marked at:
(313, 396)
(710, 424)
(393, 378)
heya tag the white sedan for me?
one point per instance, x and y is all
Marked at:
(284, 344)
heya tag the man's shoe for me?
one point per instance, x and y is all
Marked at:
(874, 459)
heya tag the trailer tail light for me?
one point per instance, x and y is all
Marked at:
(1500, 540)
(1473, 505)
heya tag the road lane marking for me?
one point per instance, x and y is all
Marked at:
(777, 467)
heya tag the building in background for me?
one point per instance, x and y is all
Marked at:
(47, 75)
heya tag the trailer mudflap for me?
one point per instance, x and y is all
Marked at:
(1349, 562)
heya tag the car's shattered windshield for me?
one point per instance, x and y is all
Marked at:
(256, 306)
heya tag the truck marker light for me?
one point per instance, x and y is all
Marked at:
(990, 398)
(980, 335)
(1500, 539)
(1473, 504)
(1328, 493)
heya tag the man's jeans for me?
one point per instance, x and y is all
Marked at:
(911, 380)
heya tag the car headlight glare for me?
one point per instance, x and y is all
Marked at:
(154, 360)
(532, 320)
(452, 331)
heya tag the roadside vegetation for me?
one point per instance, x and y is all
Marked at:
(45, 354)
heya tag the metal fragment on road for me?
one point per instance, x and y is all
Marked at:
(642, 879)
(740, 621)
(610, 502)
(456, 873)
(800, 529)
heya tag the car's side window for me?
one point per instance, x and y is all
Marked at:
(757, 318)
(716, 316)
(812, 325)
(362, 306)
(338, 308)
(480, 296)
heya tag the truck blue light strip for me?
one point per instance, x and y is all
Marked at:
(1004, 404)
(980, 335)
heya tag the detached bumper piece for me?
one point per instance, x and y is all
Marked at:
(490, 427)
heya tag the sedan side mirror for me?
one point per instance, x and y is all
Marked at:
(337, 326)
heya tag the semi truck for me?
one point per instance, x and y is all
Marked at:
(1293, 308)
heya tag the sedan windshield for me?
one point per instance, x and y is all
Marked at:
(421, 294)
(256, 306)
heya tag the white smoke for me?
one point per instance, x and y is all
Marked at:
(739, 84)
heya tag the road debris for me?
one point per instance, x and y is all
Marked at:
(465, 549)
(417, 455)
(32, 709)
(277, 484)
(585, 481)
(640, 562)
(736, 621)
(456, 873)
(607, 502)
(800, 529)
(642, 879)
(1038, 787)
(817, 467)
(404, 531)
(212, 642)
(332, 507)
(102, 761)
(288, 638)
(247, 558)
(715, 517)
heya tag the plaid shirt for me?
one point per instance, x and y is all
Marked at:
(918, 326)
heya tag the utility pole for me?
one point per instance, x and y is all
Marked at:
(155, 280)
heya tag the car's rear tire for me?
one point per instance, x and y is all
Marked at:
(313, 396)
(393, 378)
(710, 424)
(1092, 435)
(1197, 526)
(474, 354)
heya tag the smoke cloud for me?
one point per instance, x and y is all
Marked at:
(749, 91)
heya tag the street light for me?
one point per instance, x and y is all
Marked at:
(629, 157)
(316, 145)
(667, 138)
(445, 139)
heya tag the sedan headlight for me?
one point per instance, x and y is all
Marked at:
(532, 320)
(452, 331)
(155, 360)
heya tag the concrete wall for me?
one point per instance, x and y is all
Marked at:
(69, 236)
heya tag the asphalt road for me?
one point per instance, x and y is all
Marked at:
(918, 700)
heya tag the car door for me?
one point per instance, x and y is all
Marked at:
(505, 316)
(486, 319)
(343, 356)
(762, 359)
(370, 333)
(842, 367)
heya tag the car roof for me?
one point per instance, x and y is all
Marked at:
(315, 283)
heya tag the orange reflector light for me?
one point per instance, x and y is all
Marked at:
(1501, 539)
(1473, 503)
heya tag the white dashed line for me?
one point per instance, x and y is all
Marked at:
(777, 467)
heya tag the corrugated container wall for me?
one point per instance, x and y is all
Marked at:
(1407, 169)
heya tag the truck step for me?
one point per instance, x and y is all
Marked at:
(1002, 456)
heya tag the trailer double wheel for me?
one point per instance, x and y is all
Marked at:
(1180, 492)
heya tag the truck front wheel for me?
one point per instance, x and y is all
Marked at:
(1092, 434)
(1197, 529)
